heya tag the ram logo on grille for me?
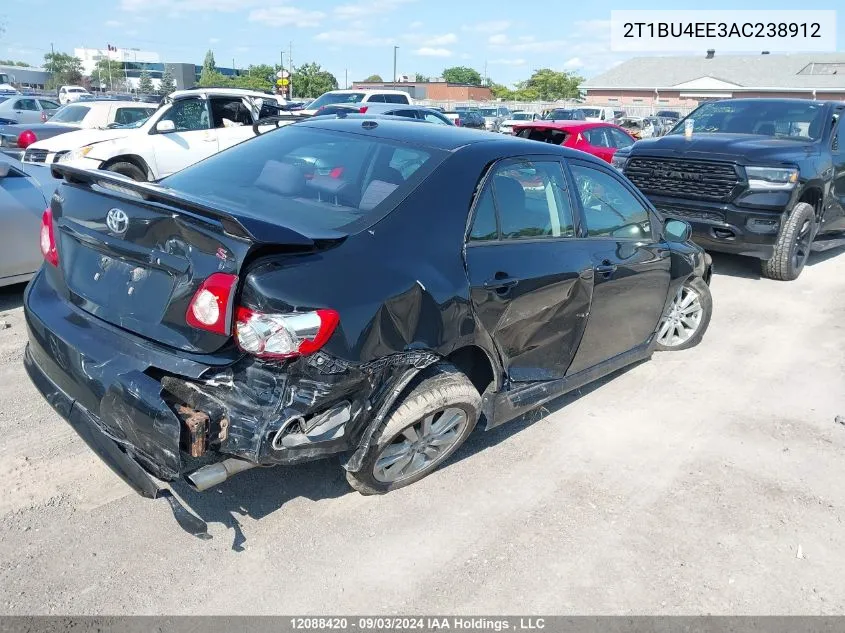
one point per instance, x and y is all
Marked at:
(676, 175)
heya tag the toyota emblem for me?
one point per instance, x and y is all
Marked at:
(117, 221)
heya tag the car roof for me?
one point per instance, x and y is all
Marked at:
(758, 100)
(226, 92)
(347, 91)
(375, 107)
(568, 125)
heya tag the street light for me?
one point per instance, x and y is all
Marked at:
(395, 48)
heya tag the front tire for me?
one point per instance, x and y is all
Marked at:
(128, 169)
(684, 324)
(793, 246)
(420, 433)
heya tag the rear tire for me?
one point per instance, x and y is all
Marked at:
(128, 169)
(793, 246)
(420, 433)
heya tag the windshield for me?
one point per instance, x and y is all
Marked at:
(522, 116)
(306, 177)
(591, 112)
(70, 114)
(561, 115)
(331, 98)
(489, 112)
(780, 119)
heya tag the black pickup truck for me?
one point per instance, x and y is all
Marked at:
(757, 177)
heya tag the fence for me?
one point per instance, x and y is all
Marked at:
(636, 110)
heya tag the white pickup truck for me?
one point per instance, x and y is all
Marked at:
(189, 126)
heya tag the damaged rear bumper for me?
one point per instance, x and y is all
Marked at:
(148, 411)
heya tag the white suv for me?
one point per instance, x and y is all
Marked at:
(189, 126)
(68, 94)
(348, 97)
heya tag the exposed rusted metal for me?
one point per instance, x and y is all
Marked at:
(224, 429)
(196, 423)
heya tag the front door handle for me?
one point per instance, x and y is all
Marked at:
(500, 284)
(606, 268)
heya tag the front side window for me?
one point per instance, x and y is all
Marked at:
(229, 112)
(530, 200)
(619, 138)
(434, 118)
(188, 115)
(610, 210)
(596, 137)
(408, 114)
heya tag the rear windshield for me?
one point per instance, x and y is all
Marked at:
(522, 116)
(545, 136)
(306, 177)
(799, 120)
(331, 98)
(70, 114)
(562, 115)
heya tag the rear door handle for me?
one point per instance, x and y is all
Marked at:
(497, 284)
(606, 269)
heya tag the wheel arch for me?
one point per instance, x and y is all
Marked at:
(815, 198)
(133, 159)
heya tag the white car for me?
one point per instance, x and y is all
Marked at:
(596, 114)
(24, 109)
(189, 126)
(515, 118)
(349, 97)
(91, 114)
(71, 93)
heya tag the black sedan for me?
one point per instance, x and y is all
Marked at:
(251, 311)
(15, 138)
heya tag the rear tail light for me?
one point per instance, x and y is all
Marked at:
(363, 109)
(211, 306)
(458, 122)
(284, 335)
(27, 138)
(337, 172)
(48, 238)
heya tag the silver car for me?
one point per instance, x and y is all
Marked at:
(23, 198)
(493, 117)
(26, 109)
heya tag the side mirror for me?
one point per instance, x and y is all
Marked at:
(165, 127)
(677, 231)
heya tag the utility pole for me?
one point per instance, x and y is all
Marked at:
(345, 77)
(233, 65)
(486, 82)
(395, 48)
(290, 63)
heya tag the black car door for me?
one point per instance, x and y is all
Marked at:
(834, 215)
(631, 265)
(530, 276)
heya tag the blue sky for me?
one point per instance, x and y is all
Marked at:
(354, 36)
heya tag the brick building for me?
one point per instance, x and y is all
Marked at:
(687, 81)
(433, 90)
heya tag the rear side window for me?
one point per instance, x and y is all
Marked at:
(229, 112)
(597, 137)
(395, 99)
(48, 105)
(408, 114)
(530, 201)
(306, 177)
(70, 114)
(124, 116)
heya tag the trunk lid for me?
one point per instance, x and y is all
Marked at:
(134, 254)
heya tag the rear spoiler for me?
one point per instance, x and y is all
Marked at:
(279, 118)
(247, 228)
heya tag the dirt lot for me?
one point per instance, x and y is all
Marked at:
(707, 481)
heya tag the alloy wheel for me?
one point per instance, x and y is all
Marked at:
(683, 318)
(420, 445)
(802, 245)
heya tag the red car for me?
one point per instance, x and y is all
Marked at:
(599, 139)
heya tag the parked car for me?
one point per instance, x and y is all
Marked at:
(335, 97)
(517, 118)
(68, 94)
(15, 138)
(669, 114)
(388, 109)
(598, 114)
(564, 114)
(599, 139)
(758, 177)
(102, 113)
(493, 117)
(22, 203)
(23, 109)
(192, 125)
(189, 329)
(466, 118)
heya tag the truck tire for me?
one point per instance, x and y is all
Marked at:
(420, 433)
(793, 245)
(688, 318)
(130, 170)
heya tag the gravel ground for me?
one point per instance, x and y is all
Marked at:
(705, 481)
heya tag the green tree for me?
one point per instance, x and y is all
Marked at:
(550, 85)
(145, 83)
(462, 75)
(501, 92)
(167, 83)
(209, 70)
(209, 79)
(374, 78)
(258, 77)
(64, 69)
(11, 62)
(107, 73)
(310, 80)
(421, 77)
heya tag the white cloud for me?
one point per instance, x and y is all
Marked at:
(493, 26)
(430, 40)
(113, 24)
(592, 27)
(572, 64)
(358, 38)
(527, 38)
(179, 6)
(426, 51)
(369, 7)
(287, 16)
(415, 25)
(213, 40)
(498, 40)
(509, 62)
